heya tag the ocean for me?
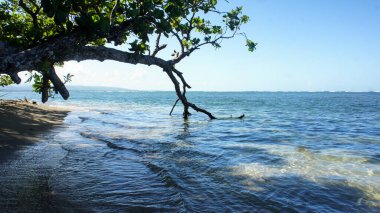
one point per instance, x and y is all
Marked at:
(120, 151)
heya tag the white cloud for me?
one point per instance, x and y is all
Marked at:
(113, 74)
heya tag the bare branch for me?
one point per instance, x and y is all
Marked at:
(102, 53)
(175, 103)
(15, 78)
(158, 47)
(179, 41)
(158, 40)
(113, 10)
(194, 107)
(180, 75)
(58, 84)
(190, 27)
(216, 40)
(183, 98)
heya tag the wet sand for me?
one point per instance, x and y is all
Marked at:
(22, 123)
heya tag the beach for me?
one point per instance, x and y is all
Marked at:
(26, 158)
(22, 122)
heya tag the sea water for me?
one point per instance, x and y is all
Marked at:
(120, 151)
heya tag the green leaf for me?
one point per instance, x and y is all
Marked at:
(244, 19)
(5, 80)
(251, 45)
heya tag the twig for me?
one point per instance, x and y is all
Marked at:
(112, 11)
(158, 46)
(174, 106)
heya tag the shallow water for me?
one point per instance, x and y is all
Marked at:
(121, 151)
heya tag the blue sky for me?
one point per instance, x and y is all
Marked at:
(304, 45)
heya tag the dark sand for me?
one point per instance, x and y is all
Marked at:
(21, 124)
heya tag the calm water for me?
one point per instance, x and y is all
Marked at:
(121, 151)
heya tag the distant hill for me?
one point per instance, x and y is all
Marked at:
(96, 88)
(69, 87)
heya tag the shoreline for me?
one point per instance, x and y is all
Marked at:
(22, 123)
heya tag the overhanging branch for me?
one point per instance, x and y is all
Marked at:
(102, 53)
(99, 53)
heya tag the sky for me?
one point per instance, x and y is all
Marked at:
(303, 45)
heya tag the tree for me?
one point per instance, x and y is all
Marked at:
(37, 35)
(5, 80)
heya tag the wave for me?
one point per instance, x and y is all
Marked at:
(160, 171)
(105, 113)
(163, 175)
(109, 143)
(84, 119)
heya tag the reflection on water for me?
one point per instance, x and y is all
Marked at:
(293, 152)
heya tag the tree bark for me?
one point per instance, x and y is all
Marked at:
(45, 88)
(58, 84)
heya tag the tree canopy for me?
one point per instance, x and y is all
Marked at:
(37, 35)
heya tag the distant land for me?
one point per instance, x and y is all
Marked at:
(69, 87)
(28, 88)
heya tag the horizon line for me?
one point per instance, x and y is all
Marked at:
(4, 89)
